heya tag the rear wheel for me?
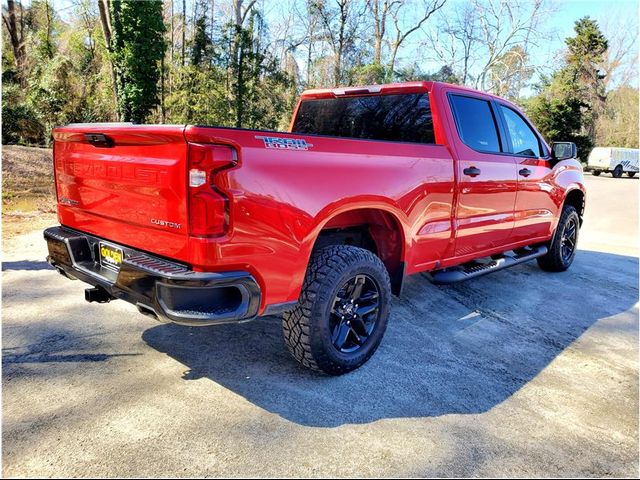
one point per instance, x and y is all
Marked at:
(631, 174)
(342, 312)
(617, 172)
(596, 173)
(562, 249)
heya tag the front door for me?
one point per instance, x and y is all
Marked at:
(535, 208)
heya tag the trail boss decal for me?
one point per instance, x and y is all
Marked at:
(285, 143)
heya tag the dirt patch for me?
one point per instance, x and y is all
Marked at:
(28, 190)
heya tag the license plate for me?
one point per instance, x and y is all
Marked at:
(110, 256)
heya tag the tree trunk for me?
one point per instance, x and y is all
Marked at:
(162, 111)
(105, 21)
(379, 27)
(48, 13)
(309, 55)
(16, 36)
(392, 62)
(184, 27)
(337, 67)
(172, 32)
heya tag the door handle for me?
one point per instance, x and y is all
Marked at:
(525, 172)
(471, 171)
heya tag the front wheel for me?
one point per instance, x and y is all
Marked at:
(631, 174)
(342, 312)
(617, 172)
(596, 173)
(562, 249)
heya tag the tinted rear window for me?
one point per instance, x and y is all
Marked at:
(399, 118)
(476, 124)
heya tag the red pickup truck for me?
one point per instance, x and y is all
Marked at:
(205, 225)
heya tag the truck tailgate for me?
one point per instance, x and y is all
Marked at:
(126, 183)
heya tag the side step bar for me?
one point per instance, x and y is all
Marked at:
(481, 267)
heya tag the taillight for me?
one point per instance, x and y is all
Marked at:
(208, 205)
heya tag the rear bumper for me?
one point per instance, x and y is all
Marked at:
(169, 290)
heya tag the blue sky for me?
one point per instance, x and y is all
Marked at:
(568, 11)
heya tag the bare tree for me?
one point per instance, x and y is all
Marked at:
(380, 11)
(88, 19)
(620, 65)
(311, 38)
(453, 41)
(509, 72)
(240, 13)
(340, 27)
(398, 14)
(502, 26)
(487, 42)
(16, 37)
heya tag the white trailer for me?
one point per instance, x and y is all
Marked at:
(614, 160)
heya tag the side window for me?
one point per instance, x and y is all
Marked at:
(476, 123)
(523, 139)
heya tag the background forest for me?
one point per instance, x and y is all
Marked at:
(243, 62)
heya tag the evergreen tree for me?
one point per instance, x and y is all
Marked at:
(586, 52)
(201, 42)
(567, 106)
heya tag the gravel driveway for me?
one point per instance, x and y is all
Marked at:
(517, 373)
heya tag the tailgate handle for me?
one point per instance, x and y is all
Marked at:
(98, 140)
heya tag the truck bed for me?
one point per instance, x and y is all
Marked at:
(279, 189)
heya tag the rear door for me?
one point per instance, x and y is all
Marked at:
(535, 208)
(486, 175)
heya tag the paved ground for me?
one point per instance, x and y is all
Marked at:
(518, 373)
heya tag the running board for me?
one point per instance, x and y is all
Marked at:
(477, 268)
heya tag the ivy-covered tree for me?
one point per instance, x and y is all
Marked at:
(138, 46)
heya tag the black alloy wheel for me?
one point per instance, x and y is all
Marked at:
(342, 312)
(569, 239)
(355, 313)
(564, 244)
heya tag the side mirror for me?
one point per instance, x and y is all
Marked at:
(563, 151)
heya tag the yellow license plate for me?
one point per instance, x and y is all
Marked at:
(110, 256)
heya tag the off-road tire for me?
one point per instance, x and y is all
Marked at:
(631, 174)
(617, 172)
(596, 173)
(554, 261)
(306, 328)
